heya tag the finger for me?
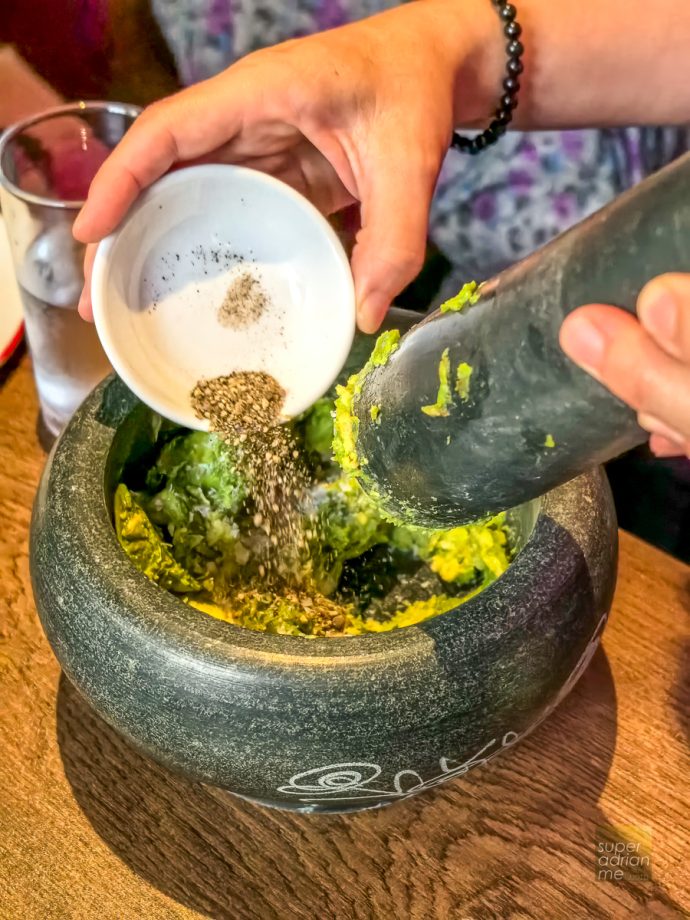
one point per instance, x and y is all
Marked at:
(655, 425)
(85, 307)
(181, 128)
(664, 441)
(614, 347)
(390, 247)
(664, 310)
(662, 447)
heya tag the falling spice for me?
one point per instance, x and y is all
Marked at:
(244, 303)
(244, 408)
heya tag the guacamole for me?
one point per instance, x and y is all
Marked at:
(466, 297)
(189, 522)
(444, 397)
(346, 422)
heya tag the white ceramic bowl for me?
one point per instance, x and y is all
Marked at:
(159, 280)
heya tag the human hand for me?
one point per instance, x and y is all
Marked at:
(645, 361)
(358, 114)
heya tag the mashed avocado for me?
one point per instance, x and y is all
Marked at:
(444, 398)
(346, 422)
(194, 493)
(284, 621)
(145, 546)
(467, 296)
(315, 428)
(475, 554)
(346, 428)
(193, 530)
(462, 381)
(416, 613)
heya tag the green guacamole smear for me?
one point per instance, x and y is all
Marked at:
(549, 441)
(145, 547)
(375, 413)
(186, 520)
(444, 398)
(346, 421)
(346, 428)
(462, 381)
(466, 297)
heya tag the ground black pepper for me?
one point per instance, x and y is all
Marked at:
(244, 303)
(244, 408)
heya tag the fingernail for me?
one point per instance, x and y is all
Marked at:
(660, 310)
(371, 310)
(584, 343)
(655, 426)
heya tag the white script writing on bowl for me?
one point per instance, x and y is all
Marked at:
(357, 781)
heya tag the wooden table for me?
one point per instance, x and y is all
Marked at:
(90, 829)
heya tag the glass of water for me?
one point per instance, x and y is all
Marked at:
(46, 166)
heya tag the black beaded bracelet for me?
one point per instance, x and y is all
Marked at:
(511, 85)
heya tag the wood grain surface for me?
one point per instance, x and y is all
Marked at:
(88, 828)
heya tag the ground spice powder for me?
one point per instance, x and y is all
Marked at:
(244, 303)
(245, 409)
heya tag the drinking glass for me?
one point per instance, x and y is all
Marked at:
(46, 166)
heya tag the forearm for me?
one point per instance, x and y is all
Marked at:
(24, 93)
(587, 62)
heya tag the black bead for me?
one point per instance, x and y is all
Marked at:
(511, 85)
(512, 30)
(461, 143)
(481, 141)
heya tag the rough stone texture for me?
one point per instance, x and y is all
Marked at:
(331, 724)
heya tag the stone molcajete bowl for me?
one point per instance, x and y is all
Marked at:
(311, 724)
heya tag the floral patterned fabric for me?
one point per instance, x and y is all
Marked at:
(206, 36)
(493, 209)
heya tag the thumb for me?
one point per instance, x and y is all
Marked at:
(85, 307)
(390, 247)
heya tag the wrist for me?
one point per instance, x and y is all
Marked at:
(469, 34)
